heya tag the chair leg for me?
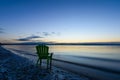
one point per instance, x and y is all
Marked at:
(40, 62)
(50, 63)
(47, 63)
(37, 61)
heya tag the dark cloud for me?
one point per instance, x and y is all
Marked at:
(23, 39)
(28, 38)
(33, 36)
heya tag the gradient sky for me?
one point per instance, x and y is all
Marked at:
(60, 20)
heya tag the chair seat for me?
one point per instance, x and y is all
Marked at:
(44, 57)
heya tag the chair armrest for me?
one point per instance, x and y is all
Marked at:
(51, 54)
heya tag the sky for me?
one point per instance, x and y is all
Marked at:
(59, 21)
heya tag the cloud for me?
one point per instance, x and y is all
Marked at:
(29, 38)
(46, 34)
(1, 30)
(53, 32)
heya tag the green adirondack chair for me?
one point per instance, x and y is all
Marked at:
(42, 52)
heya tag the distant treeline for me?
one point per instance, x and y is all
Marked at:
(94, 43)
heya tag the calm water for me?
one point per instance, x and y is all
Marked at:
(110, 52)
(101, 56)
(102, 61)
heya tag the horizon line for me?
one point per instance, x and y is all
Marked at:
(52, 43)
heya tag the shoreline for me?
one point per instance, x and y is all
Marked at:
(15, 67)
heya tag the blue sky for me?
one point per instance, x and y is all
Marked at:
(60, 21)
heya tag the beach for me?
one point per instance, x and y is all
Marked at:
(15, 67)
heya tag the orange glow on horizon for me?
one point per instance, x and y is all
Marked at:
(82, 41)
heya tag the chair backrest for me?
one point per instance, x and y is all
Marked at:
(42, 50)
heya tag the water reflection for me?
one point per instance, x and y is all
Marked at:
(77, 48)
(112, 52)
